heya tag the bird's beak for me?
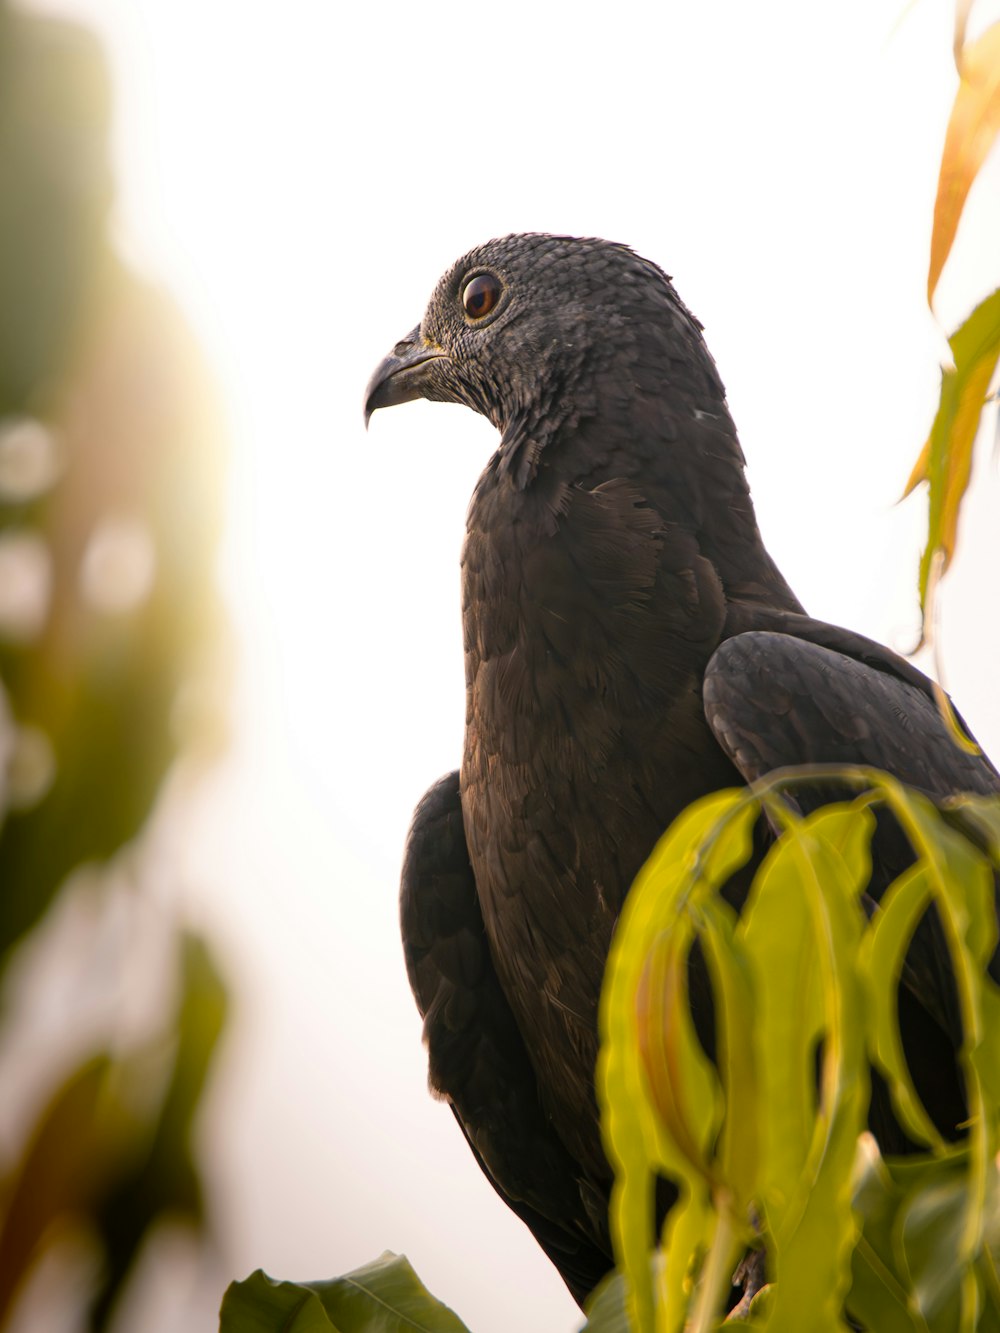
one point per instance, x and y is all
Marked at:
(403, 375)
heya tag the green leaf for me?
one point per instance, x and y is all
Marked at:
(261, 1305)
(931, 1226)
(732, 984)
(700, 851)
(881, 961)
(802, 927)
(384, 1296)
(607, 1310)
(907, 1275)
(979, 817)
(879, 1294)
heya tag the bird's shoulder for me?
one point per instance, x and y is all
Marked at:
(784, 688)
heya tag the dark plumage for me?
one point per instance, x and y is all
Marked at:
(630, 646)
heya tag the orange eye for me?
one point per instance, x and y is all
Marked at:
(481, 295)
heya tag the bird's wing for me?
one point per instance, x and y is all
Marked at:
(810, 693)
(798, 691)
(477, 1057)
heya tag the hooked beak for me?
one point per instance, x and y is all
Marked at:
(403, 375)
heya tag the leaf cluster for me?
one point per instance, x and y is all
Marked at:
(767, 1144)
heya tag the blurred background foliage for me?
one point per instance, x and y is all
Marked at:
(111, 670)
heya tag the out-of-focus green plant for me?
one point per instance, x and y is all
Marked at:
(109, 643)
(109, 470)
(106, 1155)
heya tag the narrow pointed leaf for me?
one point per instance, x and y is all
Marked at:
(808, 971)
(972, 131)
(700, 850)
(881, 960)
(975, 347)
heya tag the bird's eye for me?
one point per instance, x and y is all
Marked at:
(481, 295)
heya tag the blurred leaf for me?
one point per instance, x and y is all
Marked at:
(881, 961)
(972, 131)
(682, 1080)
(54, 121)
(810, 986)
(931, 1229)
(906, 1272)
(161, 1177)
(732, 982)
(980, 816)
(803, 926)
(104, 368)
(607, 1307)
(111, 444)
(96, 1158)
(385, 1296)
(879, 1294)
(78, 1143)
(703, 847)
(963, 884)
(946, 460)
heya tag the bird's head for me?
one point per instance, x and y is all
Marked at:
(535, 331)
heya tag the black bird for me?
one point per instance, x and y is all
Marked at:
(630, 646)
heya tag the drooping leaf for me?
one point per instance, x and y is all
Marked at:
(946, 460)
(732, 983)
(881, 961)
(682, 1081)
(972, 131)
(810, 986)
(802, 926)
(701, 850)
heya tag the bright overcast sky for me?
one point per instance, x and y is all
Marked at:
(299, 176)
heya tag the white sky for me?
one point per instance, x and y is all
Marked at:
(299, 176)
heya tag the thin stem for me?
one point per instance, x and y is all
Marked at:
(718, 1268)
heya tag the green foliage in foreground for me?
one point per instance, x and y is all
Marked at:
(762, 1153)
(382, 1297)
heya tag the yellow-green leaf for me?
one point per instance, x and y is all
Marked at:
(947, 460)
(803, 927)
(981, 815)
(881, 961)
(682, 1080)
(700, 851)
